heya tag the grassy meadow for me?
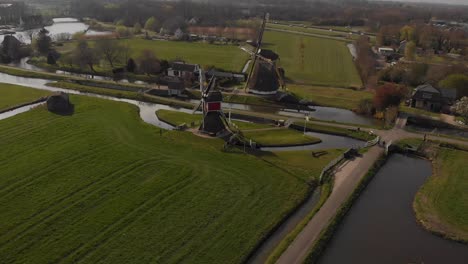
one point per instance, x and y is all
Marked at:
(311, 60)
(279, 137)
(227, 57)
(103, 186)
(442, 203)
(332, 97)
(11, 95)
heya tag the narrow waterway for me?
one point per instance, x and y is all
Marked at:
(147, 110)
(60, 26)
(381, 226)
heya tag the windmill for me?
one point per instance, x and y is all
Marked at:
(265, 77)
(213, 122)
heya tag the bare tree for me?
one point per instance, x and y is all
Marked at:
(149, 63)
(111, 50)
(85, 56)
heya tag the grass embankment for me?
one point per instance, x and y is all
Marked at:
(329, 96)
(441, 205)
(31, 74)
(361, 135)
(279, 137)
(309, 168)
(102, 186)
(226, 57)
(178, 118)
(120, 94)
(240, 99)
(12, 95)
(315, 61)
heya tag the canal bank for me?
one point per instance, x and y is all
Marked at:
(381, 226)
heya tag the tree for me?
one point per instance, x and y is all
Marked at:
(365, 60)
(389, 95)
(131, 65)
(123, 31)
(410, 50)
(407, 33)
(137, 28)
(85, 56)
(151, 24)
(366, 106)
(149, 63)
(458, 82)
(43, 41)
(461, 108)
(111, 50)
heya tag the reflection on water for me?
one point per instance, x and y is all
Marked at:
(60, 26)
(381, 226)
(442, 131)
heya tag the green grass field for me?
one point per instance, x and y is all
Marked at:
(279, 137)
(442, 203)
(324, 32)
(12, 95)
(103, 186)
(328, 96)
(227, 57)
(315, 61)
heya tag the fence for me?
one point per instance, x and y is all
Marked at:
(332, 164)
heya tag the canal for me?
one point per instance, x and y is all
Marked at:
(381, 226)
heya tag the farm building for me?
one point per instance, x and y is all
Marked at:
(183, 70)
(386, 51)
(175, 87)
(430, 98)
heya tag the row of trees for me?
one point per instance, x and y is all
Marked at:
(425, 36)
(116, 55)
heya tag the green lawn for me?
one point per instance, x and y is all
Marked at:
(227, 57)
(329, 96)
(303, 163)
(311, 60)
(12, 95)
(442, 203)
(178, 118)
(324, 32)
(103, 186)
(416, 111)
(278, 137)
(360, 135)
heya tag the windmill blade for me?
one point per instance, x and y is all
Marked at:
(257, 49)
(197, 107)
(210, 86)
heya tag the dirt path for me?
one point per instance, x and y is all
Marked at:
(346, 180)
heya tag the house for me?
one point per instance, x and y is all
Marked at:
(428, 98)
(386, 51)
(175, 87)
(179, 34)
(183, 70)
(402, 47)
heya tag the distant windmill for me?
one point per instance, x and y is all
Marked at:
(265, 77)
(213, 122)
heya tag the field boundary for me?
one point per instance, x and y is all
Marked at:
(40, 100)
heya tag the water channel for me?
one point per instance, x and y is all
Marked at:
(60, 26)
(381, 226)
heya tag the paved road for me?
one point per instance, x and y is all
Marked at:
(346, 180)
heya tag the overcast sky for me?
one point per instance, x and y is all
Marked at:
(460, 2)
